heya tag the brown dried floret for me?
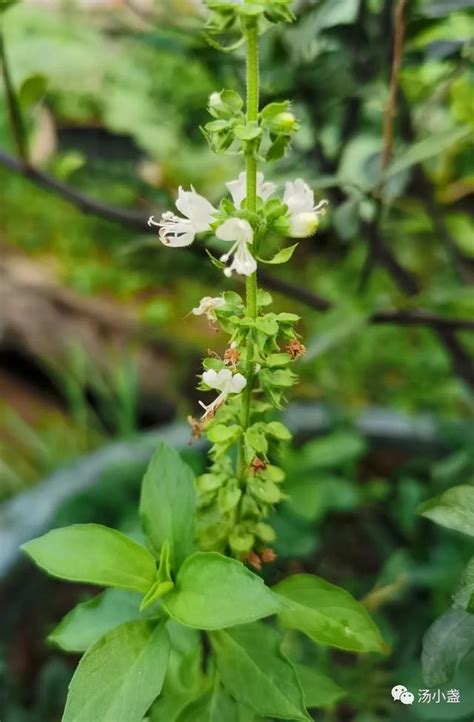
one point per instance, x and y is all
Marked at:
(295, 349)
(196, 428)
(231, 356)
(257, 465)
(268, 555)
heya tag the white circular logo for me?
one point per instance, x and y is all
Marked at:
(398, 690)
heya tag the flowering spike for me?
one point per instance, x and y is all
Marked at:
(239, 490)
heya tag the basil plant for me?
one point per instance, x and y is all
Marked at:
(186, 630)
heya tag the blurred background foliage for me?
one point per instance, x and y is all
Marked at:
(96, 346)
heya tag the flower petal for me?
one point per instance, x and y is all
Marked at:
(243, 263)
(264, 188)
(175, 231)
(238, 189)
(207, 306)
(239, 382)
(210, 378)
(223, 379)
(197, 208)
(299, 197)
(235, 229)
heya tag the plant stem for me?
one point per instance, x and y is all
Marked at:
(14, 112)
(251, 201)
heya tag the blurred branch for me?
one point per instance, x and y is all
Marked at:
(399, 38)
(426, 193)
(376, 251)
(147, 17)
(460, 358)
(85, 203)
(13, 106)
(137, 221)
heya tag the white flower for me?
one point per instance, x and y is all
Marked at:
(303, 214)
(238, 188)
(224, 381)
(207, 307)
(176, 231)
(240, 233)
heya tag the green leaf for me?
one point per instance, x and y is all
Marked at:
(163, 584)
(273, 109)
(263, 298)
(6, 4)
(278, 431)
(441, 8)
(223, 434)
(245, 714)
(274, 360)
(169, 707)
(213, 592)
(283, 256)
(214, 706)
(217, 125)
(267, 325)
(225, 104)
(425, 149)
(328, 614)
(282, 378)
(229, 495)
(167, 504)
(333, 12)
(454, 509)
(455, 27)
(446, 643)
(256, 673)
(333, 450)
(247, 132)
(286, 317)
(94, 554)
(232, 99)
(88, 621)
(32, 90)
(120, 676)
(463, 594)
(318, 690)
(265, 490)
(278, 148)
(185, 667)
(184, 677)
(256, 439)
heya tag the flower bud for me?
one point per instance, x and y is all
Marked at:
(284, 123)
(265, 532)
(224, 104)
(229, 496)
(303, 225)
(240, 540)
